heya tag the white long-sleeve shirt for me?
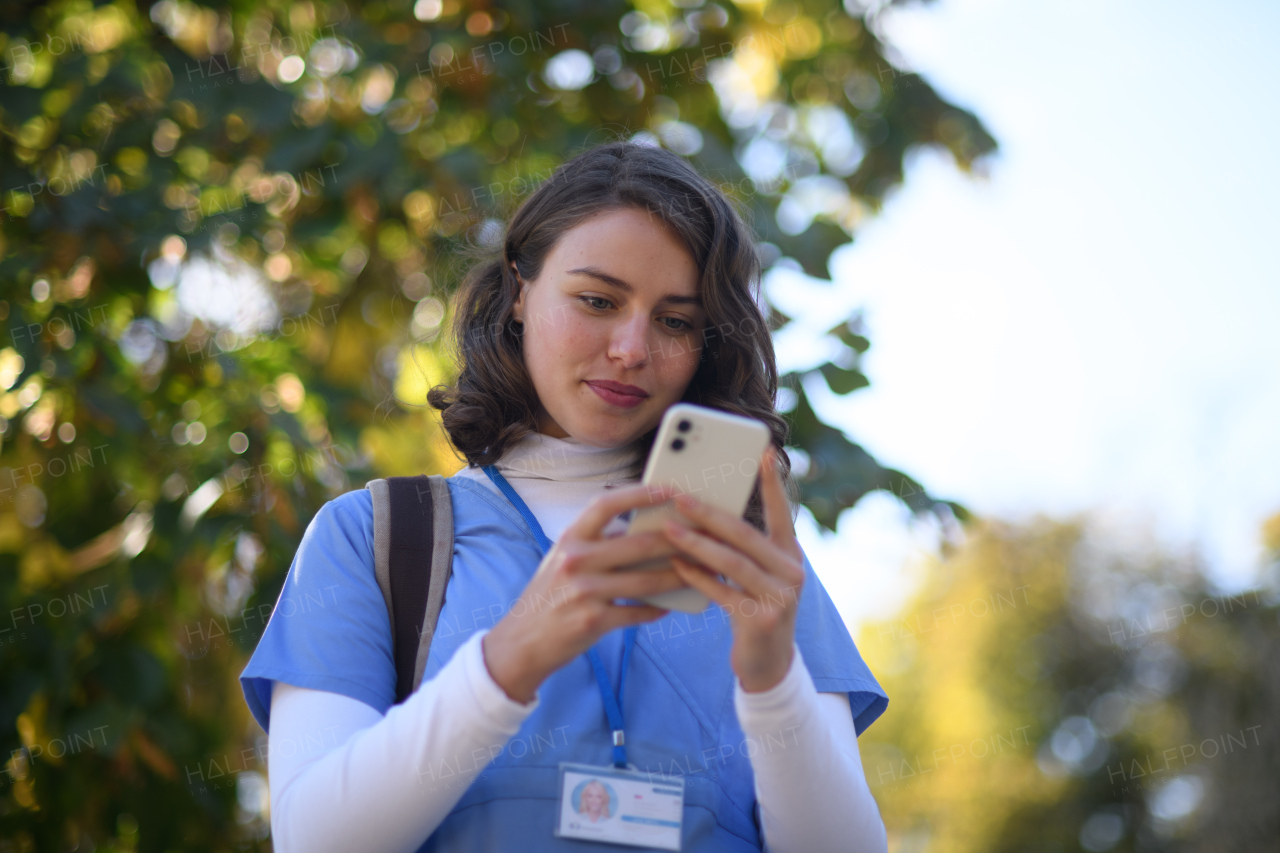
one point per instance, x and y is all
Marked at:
(342, 776)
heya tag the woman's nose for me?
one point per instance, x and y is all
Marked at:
(630, 341)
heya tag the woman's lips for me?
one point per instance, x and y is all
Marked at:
(608, 393)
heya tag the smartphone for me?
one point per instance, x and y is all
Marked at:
(710, 454)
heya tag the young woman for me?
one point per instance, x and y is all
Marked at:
(594, 802)
(626, 283)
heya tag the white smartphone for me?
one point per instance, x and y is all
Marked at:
(710, 454)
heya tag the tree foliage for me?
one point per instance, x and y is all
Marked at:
(1055, 693)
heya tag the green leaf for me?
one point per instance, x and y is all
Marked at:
(843, 380)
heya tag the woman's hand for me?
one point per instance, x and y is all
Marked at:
(769, 570)
(568, 604)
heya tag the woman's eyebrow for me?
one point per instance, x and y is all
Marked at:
(614, 281)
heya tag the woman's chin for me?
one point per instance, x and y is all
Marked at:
(601, 432)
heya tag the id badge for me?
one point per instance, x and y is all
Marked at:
(616, 806)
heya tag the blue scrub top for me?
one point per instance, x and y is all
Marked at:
(330, 631)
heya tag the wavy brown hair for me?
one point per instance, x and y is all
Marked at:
(493, 404)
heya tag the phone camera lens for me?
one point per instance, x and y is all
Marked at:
(684, 426)
(678, 444)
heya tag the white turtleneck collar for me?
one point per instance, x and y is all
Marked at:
(558, 477)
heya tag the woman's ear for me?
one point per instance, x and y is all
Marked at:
(517, 308)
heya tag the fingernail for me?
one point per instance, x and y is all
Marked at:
(685, 501)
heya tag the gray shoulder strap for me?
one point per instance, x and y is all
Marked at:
(382, 542)
(441, 558)
(441, 569)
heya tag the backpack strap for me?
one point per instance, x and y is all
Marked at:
(413, 558)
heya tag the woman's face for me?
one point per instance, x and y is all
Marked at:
(616, 304)
(594, 800)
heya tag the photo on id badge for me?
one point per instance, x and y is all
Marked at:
(594, 801)
(617, 806)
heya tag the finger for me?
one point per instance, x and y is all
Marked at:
(624, 615)
(705, 583)
(620, 552)
(602, 510)
(773, 493)
(720, 557)
(635, 584)
(762, 550)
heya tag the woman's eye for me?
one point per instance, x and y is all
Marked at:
(597, 302)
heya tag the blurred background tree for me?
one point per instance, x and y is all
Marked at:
(1057, 693)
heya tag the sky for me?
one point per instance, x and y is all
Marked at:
(1093, 328)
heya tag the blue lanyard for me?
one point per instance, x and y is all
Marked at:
(612, 702)
(505, 487)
